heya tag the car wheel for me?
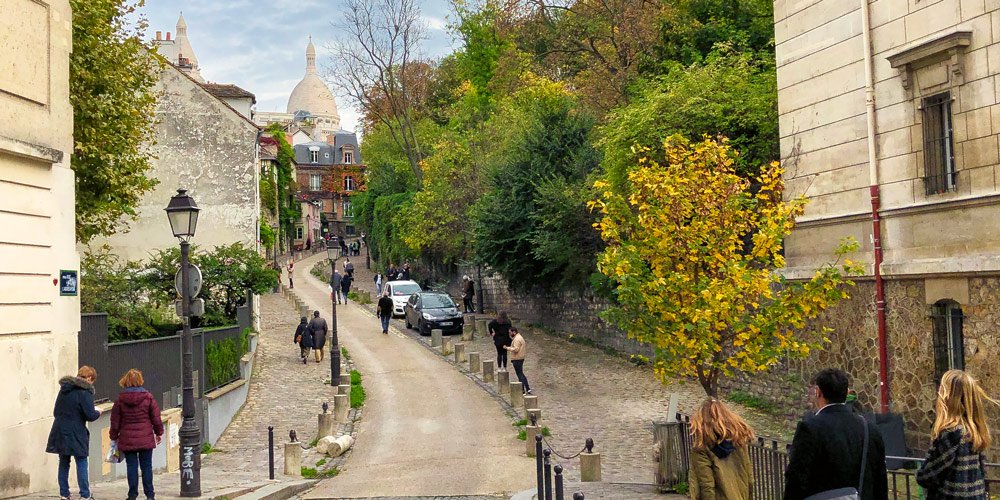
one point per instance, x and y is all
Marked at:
(421, 329)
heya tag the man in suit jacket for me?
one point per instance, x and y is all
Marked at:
(827, 447)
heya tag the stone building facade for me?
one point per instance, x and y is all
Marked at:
(327, 174)
(39, 310)
(925, 154)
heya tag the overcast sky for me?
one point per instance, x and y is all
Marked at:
(260, 45)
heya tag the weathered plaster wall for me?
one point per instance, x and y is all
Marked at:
(38, 327)
(205, 147)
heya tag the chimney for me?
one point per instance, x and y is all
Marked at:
(329, 139)
(168, 36)
(159, 35)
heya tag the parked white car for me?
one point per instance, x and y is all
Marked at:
(399, 292)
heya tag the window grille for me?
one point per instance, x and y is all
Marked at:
(939, 154)
(949, 345)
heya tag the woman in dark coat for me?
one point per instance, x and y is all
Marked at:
(137, 428)
(304, 338)
(500, 331)
(69, 436)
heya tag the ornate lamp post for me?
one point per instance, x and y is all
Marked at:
(182, 212)
(333, 253)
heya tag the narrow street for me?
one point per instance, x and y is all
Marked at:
(427, 429)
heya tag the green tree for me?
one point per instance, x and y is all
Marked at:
(112, 77)
(289, 211)
(694, 250)
(690, 30)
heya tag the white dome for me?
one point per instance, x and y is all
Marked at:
(311, 94)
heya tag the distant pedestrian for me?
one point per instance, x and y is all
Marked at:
(137, 429)
(499, 329)
(468, 293)
(69, 436)
(343, 245)
(405, 273)
(304, 338)
(835, 449)
(954, 465)
(392, 272)
(335, 286)
(291, 265)
(349, 267)
(517, 350)
(720, 460)
(318, 328)
(385, 307)
(378, 283)
(345, 285)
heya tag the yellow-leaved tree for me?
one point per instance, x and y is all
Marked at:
(695, 252)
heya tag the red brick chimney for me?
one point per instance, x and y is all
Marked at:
(168, 36)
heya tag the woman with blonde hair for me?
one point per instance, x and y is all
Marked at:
(954, 464)
(720, 460)
(137, 429)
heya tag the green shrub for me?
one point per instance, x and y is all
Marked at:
(222, 358)
(308, 472)
(522, 435)
(752, 401)
(321, 462)
(357, 391)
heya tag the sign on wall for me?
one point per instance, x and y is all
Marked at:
(68, 283)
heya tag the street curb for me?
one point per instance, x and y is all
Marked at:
(278, 491)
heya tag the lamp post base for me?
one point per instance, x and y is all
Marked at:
(190, 451)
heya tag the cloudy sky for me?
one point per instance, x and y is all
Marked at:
(260, 44)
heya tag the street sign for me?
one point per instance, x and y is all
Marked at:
(68, 282)
(194, 281)
(197, 307)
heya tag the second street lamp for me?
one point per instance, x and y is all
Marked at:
(332, 253)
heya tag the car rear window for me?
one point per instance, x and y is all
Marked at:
(408, 289)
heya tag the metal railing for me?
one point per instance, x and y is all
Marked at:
(548, 487)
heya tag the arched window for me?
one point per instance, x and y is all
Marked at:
(949, 347)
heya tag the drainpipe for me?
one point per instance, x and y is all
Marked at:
(883, 351)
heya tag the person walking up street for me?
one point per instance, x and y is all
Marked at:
(345, 285)
(499, 329)
(720, 460)
(349, 267)
(69, 436)
(378, 283)
(335, 284)
(468, 294)
(835, 449)
(137, 428)
(303, 337)
(318, 329)
(291, 265)
(954, 465)
(385, 311)
(517, 350)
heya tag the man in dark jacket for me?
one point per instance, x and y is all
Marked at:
(318, 328)
(69, 436)
(827, 447)
(385, 311)
(345, 285)
(304, 338)
(335, 286)
(468, 293)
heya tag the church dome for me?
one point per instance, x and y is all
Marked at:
(311, 94)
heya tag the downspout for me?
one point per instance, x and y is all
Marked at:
(883, 350)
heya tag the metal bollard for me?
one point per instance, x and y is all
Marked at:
(533, 414)
(559, 482)
(540, 484)
(548, 473)
(270, 452)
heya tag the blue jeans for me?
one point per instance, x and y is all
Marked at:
(385, 323)
(82, 476)
(135, 460)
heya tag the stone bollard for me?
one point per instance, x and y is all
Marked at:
(488, 375)
(530, 401)
(341, 405)
(590, 464)
(482, 326)
(436, 337)
(516, 394)
(531, 431)
(340, 445)
(537, 413)
(446, 346)
(304, 311)
(293, 459)
(474, 366)
(468, 330)
(503, 382)
(327, 425)
(344, 389)
(459, 352)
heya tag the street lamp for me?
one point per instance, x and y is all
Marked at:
(182, 212)
(333, 253)
(368, 254)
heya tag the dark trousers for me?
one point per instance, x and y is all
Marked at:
(519, 370)
(469, 308)
(501, 356)
(135, 460)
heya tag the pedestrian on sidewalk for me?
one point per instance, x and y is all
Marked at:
(319, 329)
(468, 292)
(345, 285)
(291, 265)
(392, 272)
(720, 460)
(137, 428)
(954, 465)
(835, 449)
(335, 284)
(499, 329)
(69, 436)
(404, 274)
(378, 284)
(349, 267)
(385, 311)
(517, 350)
(304, 338)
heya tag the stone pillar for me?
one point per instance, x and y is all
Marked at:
(474, 366)
(488, 369)
(481, 326)
(531, 401)
(516, 394)
(530, 432)
(528, 412)
(436, 337)
(344, 388)
(293, 459)
(460, 353)
(590, 467)
(503, 382)
(468, 329)
(327, 425)
(304, 311)
(446, 347)
(341, 405)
